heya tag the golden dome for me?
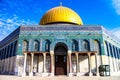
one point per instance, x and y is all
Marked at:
(61, 15)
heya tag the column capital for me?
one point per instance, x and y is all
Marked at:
(88, 53)
(96, 54)
(44, 54)
(76, 54)
(51, 52)
(25, 53)
(31, 53)
(69, 52)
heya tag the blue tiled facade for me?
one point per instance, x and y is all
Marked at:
(73, 36)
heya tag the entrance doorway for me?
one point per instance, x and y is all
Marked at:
(60, 59)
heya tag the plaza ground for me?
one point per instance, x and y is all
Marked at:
(9, 77)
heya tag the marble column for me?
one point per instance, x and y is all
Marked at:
(2, 64)
(89, 62)
(1, 61)
(6, 60)
(52, 62)
(113, 59)
(11, 60)
(39, 68)
(119, 59)
(97, 69)
(110, 58)
(32, 59)
(70, 63)
(116, 58)
(25, 61)
(77, 64)
(44, 65)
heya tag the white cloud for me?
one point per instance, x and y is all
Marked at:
(116, 31)
(9, 21)
(14, 13)
(7, 25)
(1, 23)
(116, 4)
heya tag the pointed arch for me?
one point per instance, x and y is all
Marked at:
(86, 45)
(47, 45)
(74, 45)
(97, 46)
(36, 45)
(107, 47)
(111, 53)
(114, 52)
(25, 45)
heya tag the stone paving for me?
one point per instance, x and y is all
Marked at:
(8, 77)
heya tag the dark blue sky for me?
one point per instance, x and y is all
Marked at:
(18, 12)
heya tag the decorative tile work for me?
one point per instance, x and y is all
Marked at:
(59, 27)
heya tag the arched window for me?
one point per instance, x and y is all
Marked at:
(111, 53)
(117, 52)
(108, 52)
(11, 50)
(36, 45)
(25, 45)
(0, 55)
(47, 45)
(8, 51)
(15, 47)
(114, 51)
(97, 46)
(74, 45)
(86, 45)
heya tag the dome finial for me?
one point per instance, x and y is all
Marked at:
(60, 3)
